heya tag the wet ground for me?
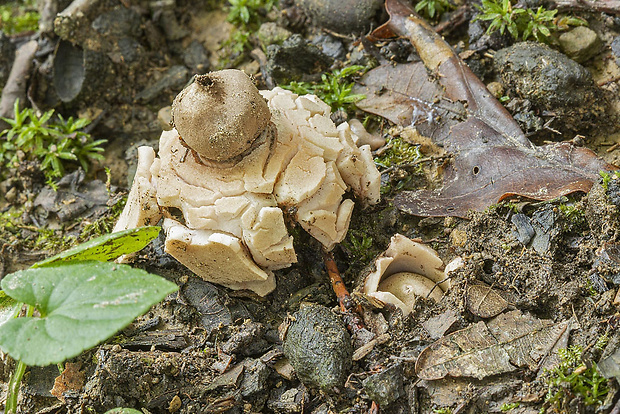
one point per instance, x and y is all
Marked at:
(551, 266)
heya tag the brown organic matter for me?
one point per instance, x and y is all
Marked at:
(492, 158)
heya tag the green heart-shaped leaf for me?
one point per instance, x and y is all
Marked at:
(107, 247)
(81, 305)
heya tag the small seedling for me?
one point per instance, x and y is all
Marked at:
(430, 8)
(246, 16)
(247, 12)
(509, 406)
(74, 301)
(502, 16)
(606, 179)
(572, 378)
(334, 89)
(52, 143)
(520, 23)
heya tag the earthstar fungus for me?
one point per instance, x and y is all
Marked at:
(236, 160)
(405, 271)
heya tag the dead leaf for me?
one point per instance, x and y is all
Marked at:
(492, 158)
(506, 343)
(484, 302)
(71, 379)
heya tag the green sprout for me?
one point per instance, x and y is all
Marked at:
(334, 89)
(539, 24)
(508, 406)
(246, 16)
(247, 12)
(430, 8)
(18, 17)
(100, 297)
(571, 379)
(520, 23)
(52, 143)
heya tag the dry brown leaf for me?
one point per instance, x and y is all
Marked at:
(71, 379)
(506, 343)
(492, 158)
(484, 302)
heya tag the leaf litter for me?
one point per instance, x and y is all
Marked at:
(506, 343)
(492, 159)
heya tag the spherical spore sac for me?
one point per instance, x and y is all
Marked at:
(318, 346)
(220, 115)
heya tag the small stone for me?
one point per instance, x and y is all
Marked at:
(318, 346)
(580, 44)
(294, 58)
(341, 16)
(525, 231)
(174, 78)
(270, 33)
(175, 404)
(496, 89)
(330, 46)
(386, 386)
(248, 340)
(255, 376)
(196, 57)
(437, 326)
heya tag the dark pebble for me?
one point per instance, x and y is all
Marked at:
(318, 346)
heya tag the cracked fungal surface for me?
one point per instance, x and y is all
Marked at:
(232, 230)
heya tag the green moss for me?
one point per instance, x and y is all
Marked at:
(573, 378)
(396, 152)
(18, 17)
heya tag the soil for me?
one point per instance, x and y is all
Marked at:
(207, 349)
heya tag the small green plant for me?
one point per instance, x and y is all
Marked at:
(74, 301)
(359, 245)
(18, 17)
(606, 179)
(334, 89)
(539, 24)
(52, 143)
(247, 12)
(572, 378)
(397, 151)
(520, 23)
(508, 406)
(443, 410)
(430, 8)
(246, 16)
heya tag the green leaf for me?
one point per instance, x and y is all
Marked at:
(107, 247)
(123, 411)
(8, 307)
(81, 305)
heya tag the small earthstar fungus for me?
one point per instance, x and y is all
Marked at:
(236, 160)
(406, 271)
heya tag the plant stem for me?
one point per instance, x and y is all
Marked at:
(13, 390)
(16, 379)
